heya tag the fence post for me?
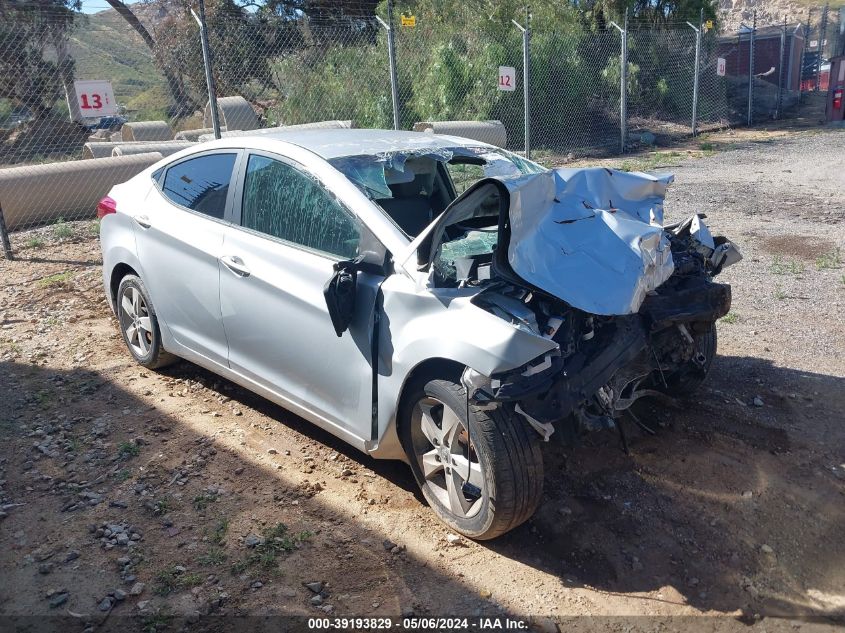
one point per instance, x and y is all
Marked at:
(209, 74)
(623, 83)
(526, 77)
(4, 237)
(804, 48)
(778, 111)
(750, 119)
(822, 35)
(696, 74)
(391, 60)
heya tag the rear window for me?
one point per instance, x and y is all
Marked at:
(201, 184)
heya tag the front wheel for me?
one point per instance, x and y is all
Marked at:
(481, 471)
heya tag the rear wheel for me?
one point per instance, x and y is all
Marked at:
(481, 473)
(139, 325)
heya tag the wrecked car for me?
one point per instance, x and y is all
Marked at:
(424, 298)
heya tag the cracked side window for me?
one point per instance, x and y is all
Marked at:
(284, 202)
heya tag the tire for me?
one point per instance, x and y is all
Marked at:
(139, 324)
(501, 453)
(688, 379)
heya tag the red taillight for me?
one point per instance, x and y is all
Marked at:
(105, 206)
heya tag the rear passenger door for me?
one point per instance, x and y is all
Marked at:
(291, 232)
(179, 236)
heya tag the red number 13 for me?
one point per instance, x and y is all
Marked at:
(97, 102)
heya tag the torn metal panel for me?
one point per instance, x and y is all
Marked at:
(592, 237)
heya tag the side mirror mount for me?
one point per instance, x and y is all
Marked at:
(340, 291)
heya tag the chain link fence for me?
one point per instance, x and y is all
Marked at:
(445, 68)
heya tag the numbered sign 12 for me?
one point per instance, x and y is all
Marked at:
(95, 98)
(721, 65)
(507, 78)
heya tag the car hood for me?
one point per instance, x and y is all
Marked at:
(592, 237)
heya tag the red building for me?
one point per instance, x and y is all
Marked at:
(767, 62)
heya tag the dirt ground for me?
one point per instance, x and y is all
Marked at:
(163, 499)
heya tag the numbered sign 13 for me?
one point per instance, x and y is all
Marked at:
(95, 98)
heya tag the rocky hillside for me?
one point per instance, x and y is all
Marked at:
(735, 12)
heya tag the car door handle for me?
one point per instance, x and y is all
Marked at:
(235, 264)
(142, 221)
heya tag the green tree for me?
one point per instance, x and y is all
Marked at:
(28, 77)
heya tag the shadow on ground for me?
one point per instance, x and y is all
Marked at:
(727, 508)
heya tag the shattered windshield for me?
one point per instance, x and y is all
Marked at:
(414, 187)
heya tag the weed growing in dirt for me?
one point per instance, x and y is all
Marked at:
(706, 147)
(781, 267)
(62, 229)
(34, 242)
(12, 347)
(123, 475)
(214, 556)
(201, 501)
(44, 398)
(169, 580)
(166, 581)
(218, 536)
(162, 506)
(779, 294)
(275, 541)
(156, 622)
(730, 317)
(57, 279)
(128, 449)
(833, 259)
(94, 228)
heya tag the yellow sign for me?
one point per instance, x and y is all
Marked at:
(708, 25)
(407, 20)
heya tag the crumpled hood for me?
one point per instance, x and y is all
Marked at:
(591, 237)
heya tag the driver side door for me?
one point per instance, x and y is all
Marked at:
(288, 235)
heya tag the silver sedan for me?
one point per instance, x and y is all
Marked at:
(425, 298)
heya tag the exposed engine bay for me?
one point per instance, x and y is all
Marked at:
(631, 304)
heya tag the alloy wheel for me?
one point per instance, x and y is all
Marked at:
(135, 321)
(447, 458)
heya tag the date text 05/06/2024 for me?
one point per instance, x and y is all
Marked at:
(420, 624)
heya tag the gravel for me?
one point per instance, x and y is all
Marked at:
(783, 204)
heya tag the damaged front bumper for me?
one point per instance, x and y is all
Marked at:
(606, 363)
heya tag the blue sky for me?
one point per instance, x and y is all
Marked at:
(95, 6)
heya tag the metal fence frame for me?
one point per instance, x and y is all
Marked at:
(690, 67)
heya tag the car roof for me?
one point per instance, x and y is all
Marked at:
(336, 143)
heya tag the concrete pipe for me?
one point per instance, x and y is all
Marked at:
(116, 137)
(492, 132)
(318, 125)
(34, 194)
(194, 135)
(99, 149)
(146, 131)
(165, 148)
(234, 113)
